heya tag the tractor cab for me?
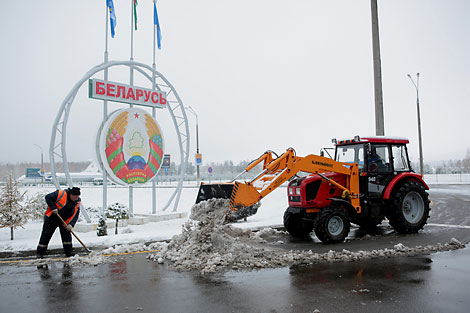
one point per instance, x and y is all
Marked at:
(380, 160)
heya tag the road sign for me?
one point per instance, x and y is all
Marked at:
(166, 161)
(209, 170)
(33, 173)
(118, 92)
(198, 159)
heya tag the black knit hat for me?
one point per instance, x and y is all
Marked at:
(75, 191)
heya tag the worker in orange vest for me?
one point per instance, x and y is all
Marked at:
(65, 203)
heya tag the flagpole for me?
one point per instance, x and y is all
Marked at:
(131, 79)
(105, 114)
(106, 40)
(154, 115)
(132, 35)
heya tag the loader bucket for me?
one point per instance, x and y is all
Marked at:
(211, 191)
(235, 211)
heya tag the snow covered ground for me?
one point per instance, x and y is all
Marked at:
(269, 214)
(447, 179)
(27, 238)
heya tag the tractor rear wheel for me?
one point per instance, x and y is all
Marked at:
(332, 225)
(409, 211)
(296, 225)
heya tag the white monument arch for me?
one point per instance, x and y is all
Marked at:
(174, 105)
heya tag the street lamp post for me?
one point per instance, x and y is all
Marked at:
(419, 122)
(190, 109)
(42, 164)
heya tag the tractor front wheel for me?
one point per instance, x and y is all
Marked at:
(332, 225)
(409, 211)
(296, 225)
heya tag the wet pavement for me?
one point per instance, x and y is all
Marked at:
(435, 283)
(432, 283)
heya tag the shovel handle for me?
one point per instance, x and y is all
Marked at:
(65, 224)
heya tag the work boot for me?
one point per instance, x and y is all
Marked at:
(68, 249)
(41, 251)
(69, 252)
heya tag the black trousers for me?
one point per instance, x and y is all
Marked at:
(48, 229)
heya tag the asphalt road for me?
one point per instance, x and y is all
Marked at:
(432, 283)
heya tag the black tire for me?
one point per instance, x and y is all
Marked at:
(409, 209)
(296, 226)
(332, 225)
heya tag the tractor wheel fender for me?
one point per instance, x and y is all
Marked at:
(344, 204)
(401, 178)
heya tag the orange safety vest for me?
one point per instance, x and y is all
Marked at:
(60, 203)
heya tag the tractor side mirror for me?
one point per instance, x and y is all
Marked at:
(322, 153)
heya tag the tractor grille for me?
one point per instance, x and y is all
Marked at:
(311, 190)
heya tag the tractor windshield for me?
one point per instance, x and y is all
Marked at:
(400, 158)
(351, 154)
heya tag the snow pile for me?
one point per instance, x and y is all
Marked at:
(400, 247)
(125, 248)
(207, 245)
(267, 233)
(94, 258)
(137, 247)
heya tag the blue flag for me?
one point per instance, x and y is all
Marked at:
(157, 24)
(112, 16)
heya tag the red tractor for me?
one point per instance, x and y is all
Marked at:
(388, 188)
(368, 179)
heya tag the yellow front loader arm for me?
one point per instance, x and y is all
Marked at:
(279, 170)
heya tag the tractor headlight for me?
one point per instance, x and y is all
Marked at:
(297, 191)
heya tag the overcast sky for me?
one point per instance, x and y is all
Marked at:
(261, 74)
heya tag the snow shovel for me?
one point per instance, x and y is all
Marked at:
(62, 220)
